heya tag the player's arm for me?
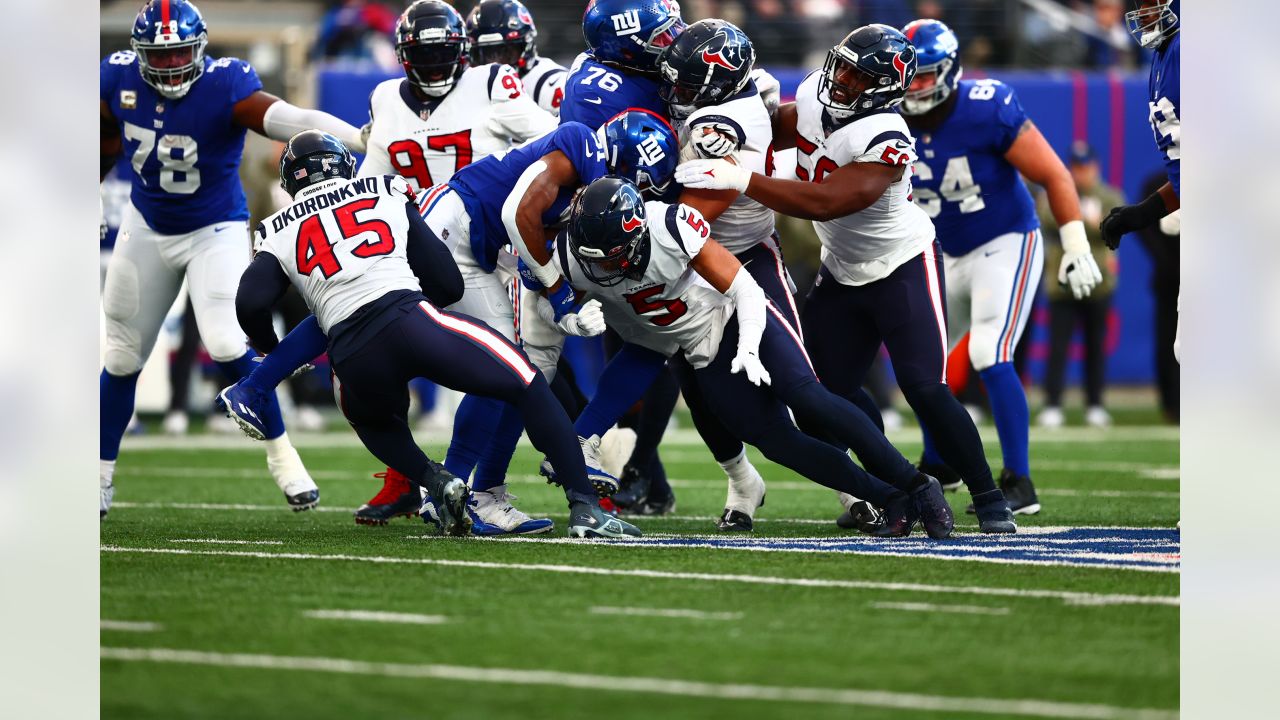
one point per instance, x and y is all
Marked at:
(1130, 218)
(431, 261)
(377, 161)
(845, 190)
(110, 142)
(261, 287)
(514, 113)
(1032, 156)
(533, 194)
(784, 126)
(722, 270)
(268, 115)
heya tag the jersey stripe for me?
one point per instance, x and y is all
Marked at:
(493, 75)
(887, 135)
(537, 88)
(1004, 350)
(937, 302)
(497, 346)
(673, 227)
(782, 320)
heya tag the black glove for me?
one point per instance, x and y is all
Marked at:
(1130, 218)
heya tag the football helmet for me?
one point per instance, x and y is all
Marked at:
(432, 45)
(169, 37)
(630, 34)
(870, 69)
(502, 31)
(710, 62)
(1152, 22)
(312, 157)
(641, 146)
(608, 232)
(938, 66)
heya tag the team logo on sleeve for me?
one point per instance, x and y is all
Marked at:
(729, 58)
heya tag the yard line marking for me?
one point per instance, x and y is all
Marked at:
(649, 685)
(931, 608)
(215, 541)
(1154, 494)
(128, 626)
(664, 613)
(1064, 595)
(376, 616)
(1161, 473)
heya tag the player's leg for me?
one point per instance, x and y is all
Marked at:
(139, 288)
(644, 479)
(1004, 281)
(217, 257)
(957, 274)
(1062, 322)
(1093, 312)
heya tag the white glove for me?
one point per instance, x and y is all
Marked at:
(588, 321)
(714, 140)
(1078, 270)
(713, 175)
(769, 88)
(102, 220)
(749, 361)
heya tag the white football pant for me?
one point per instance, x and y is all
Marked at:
(990, 292)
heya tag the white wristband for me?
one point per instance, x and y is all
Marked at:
(1074, 239)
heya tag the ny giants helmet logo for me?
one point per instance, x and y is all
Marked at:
(901, 66)
(631, 223)
(717, 56)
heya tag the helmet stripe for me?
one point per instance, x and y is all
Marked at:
(164, 15)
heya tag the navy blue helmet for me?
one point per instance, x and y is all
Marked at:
(938, 66)
(169, 37)
(641, 147)
(1153, 21)
(502, 31)
(432, 45)
(608, 233)
(312, 157)
(711, 61)
(870, 69)
(630, 34)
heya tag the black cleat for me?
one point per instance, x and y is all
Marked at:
(405, 505)
(589, 521)
(656, 505)
(304, 500)
(451, 497)
(635, 488)
(931, 506)
(735, 521)
(948, 478)
(1020, 493)
(861, 516)
(899, 518)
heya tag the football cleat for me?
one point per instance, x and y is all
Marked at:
(948, 478)
(105, 493)
(605, 484)
(634, 488)
(860, 515)
(656, 504)
(247, 407)
(932, 509)
(899, 518)
(398, 497)
(994, 515)
(741, 502)
(294, 481)
(589, 521)
(493, 514)
(451, 508)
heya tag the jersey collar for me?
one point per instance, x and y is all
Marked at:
(423, 109)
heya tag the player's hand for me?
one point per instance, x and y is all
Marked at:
(102, 221)
(713, 175)
(714, 140)
(1079, 271)
(769, 88)
(562, 300)
(588, 321)
(306, 368)
(748, 361)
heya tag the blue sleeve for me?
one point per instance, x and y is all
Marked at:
(622, 383)
(1009, 116)
(580, 144)
(242, 79)
(107, 79)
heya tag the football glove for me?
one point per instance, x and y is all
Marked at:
(713, 175)
(588, 321)
(769, 88)
(1078, 271)
(714, 140)
(748, 361)
(1129, 218)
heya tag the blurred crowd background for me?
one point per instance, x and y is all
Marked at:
(1070, 59)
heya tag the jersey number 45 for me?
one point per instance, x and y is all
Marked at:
(315, 252)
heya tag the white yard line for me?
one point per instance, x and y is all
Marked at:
(931, 608)
(215, 541)
(128, 626)
(1065, 596)
(376, 616)
(664, 613)
(642, 685)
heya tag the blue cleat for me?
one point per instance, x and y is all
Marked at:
(247, 407)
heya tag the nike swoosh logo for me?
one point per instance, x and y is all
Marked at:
(220, 229)
(1008, 99)
(989, 254)
(594, 101)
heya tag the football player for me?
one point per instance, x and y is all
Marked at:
(360, 254)
(881, 277)
(1155, 25)
(180, 117)
(974, 145)
(667, 287)
(502, 31)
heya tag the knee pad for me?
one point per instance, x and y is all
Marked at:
(225, 346)
(121, 361)
(982, 349)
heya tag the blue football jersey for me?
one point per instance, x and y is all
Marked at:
(1164, 106)
(595, 92)
(962, 179)
(184, 153)
(484, 186)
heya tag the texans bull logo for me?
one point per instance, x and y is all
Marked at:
(632, 223)
(901, 66)
(726, 56)
(523, 14)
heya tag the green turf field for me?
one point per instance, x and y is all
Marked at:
(217, 602)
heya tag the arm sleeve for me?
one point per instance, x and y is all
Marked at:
(261, 286)
(432, 262)
(514, 113)
(282, 121)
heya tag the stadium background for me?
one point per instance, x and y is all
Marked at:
(1075, 69)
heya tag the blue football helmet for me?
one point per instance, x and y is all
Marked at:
(938, 66)
(432, 45)
(169, 37)
(870, 69)
(1152, 22)
(630, 34)
(312, 157)
(642, 147)
(502, 31)
(608, 233)
(710, 62)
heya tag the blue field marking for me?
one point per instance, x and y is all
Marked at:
(1149, 549)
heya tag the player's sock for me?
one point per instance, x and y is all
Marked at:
(302, 345)
(280, 451)
(1009, 411)
(931, 456)
(740, 470)
(115, 398)
(244, 366)
(550, 432)
(473, 426)
(106, 471)
(632, 368)
(491, 470)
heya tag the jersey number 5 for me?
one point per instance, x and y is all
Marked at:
(316, 252)
(641, 303)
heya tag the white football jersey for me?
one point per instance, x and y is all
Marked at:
(544, 81)
(671, 307)
(746, 222)
(427, 142)
(342, 244)
(867, 245)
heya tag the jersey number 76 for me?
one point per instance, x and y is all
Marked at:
(315, 252)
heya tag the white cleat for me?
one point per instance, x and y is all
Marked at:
(1051, 417)
(740, 505)
(176, 423)
(493, 514)
(294, 481)
(1097, 417)
(107, 492)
